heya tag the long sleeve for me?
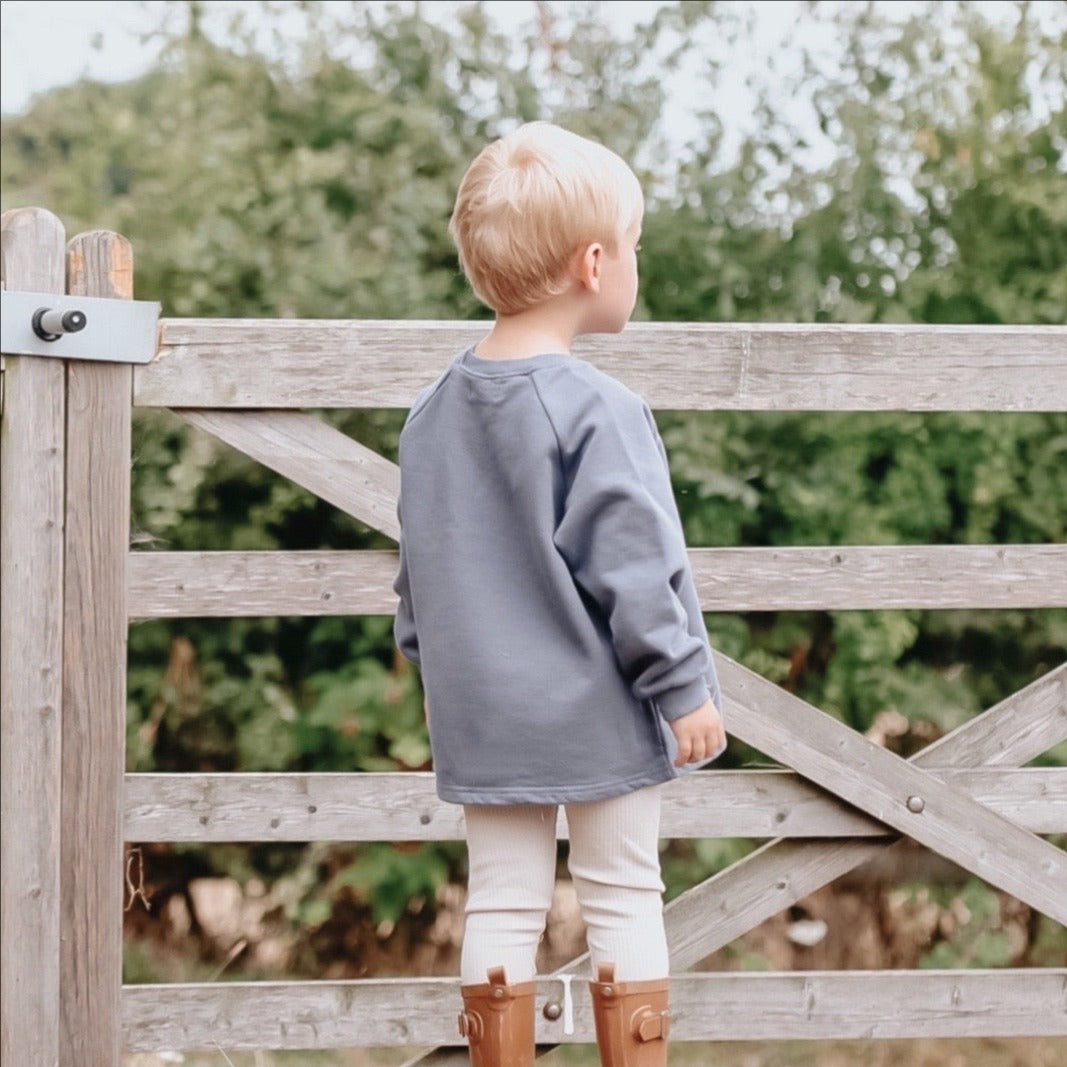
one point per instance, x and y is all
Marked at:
(622, 539)
(404, 632)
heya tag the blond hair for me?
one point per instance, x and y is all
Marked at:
(528, 202)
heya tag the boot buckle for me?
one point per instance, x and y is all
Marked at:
(650, 1025)
(470, 1026)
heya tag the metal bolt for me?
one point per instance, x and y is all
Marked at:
(50, 325)
(553, 1010)
(498, 992)
(916, 804)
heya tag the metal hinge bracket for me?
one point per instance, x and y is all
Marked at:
(78, 327)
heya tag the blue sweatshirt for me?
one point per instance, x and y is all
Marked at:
(545, 591)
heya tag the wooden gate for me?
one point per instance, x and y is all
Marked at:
(70, 585)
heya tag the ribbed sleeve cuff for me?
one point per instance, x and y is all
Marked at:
(675, 703)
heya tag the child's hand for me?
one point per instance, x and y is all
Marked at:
(700, 734)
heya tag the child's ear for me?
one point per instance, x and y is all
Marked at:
(588, 265)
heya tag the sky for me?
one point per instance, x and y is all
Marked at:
(46, 43)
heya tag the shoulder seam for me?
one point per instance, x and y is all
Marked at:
(544, 408)
(426, 395)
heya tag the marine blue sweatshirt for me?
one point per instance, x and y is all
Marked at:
(544, 586)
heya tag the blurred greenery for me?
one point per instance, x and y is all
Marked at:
(316, 184)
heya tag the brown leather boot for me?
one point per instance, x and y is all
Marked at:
(498, 1021)
(632, 1020)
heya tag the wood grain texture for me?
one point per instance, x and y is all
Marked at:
(268, 363)
(844, 577)
(705, 1007)
(236, 584)
(187, 584)
(712, 914)
(1039, 713)
(31, 659)
(405, 806)
(880, 783)
(99, 264)
(315, 455)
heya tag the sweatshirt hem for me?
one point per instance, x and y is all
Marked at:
(552, 794)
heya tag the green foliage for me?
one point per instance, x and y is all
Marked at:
(978, 940)
(320, 186)
(364, 717)
(395, 877)
(208, 697)
(387, 879)
(879, 478)
(686, 863)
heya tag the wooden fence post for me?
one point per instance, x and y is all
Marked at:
(31, 658)
(99, 398)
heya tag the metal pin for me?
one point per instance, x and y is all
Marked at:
(50, 324)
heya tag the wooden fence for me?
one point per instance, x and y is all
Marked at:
(70, 585)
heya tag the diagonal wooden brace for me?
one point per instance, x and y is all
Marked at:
(315, 455)
(781, 872)
(895, 791)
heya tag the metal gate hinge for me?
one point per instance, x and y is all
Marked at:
(78, 327)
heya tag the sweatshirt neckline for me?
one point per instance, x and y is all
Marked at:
(499, 367)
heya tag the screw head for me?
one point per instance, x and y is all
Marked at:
(553, 1010)
(916, 804)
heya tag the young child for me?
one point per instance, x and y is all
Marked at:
(545, 593)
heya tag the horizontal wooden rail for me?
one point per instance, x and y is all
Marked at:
(277, 363)
(724, 1006)
(167, 585)
(405, 806)
(186, 584)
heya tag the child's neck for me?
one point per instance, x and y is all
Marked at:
(529, 333)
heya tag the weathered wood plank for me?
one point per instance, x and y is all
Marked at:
(883, 785)
(99, 263)
(31, 659)
(248, 363)
(731, 1006)
(235, 584)
(719, 910)
(405, 806)
(315, 455)
(185, 584)
(836, 577)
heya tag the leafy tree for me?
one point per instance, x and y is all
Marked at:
(317, 181)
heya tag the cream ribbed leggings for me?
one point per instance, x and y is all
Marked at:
(614, 862)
